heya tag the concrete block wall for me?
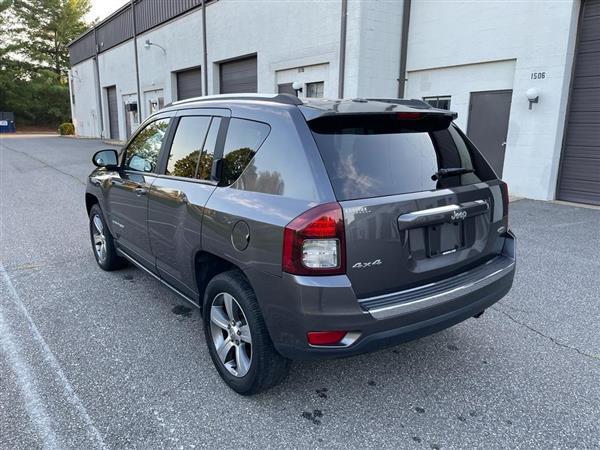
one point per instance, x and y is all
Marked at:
(449, 41)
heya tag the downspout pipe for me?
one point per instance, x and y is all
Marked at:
(99, 86)
(404, 48)
(204, 51)
(137, 66)
(343, 26)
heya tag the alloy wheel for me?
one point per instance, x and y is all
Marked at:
(99, 238)
(231, 335)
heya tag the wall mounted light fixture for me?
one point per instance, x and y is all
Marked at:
(297, 86)
(148, 44)
(533, 95)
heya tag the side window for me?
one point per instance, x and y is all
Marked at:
(187, 146)
(207, 156)
(142, 153)
(244, 137)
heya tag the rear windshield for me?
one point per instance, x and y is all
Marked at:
(372, 157)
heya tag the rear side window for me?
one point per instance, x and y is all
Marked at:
(372, 157)
(187, 146)
(244, 137)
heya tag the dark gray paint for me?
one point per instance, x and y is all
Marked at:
(113, 111)
(343, 26)
(488, 125)
(579, 179)
(403, 47)
(199, 219)
(189, 83)
(115, 31)
(83, 48)
(204, 47)
(137, 65)
(150, 13)
(238, 76)
(118, 27)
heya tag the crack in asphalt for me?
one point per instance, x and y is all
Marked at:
(41, 161)
(550, 338)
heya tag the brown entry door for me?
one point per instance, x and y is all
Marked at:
(489, 112)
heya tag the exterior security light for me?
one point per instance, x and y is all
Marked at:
(297, 86)
(148, 44)
(533, 95)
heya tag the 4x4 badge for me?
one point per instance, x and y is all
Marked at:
(362, 265)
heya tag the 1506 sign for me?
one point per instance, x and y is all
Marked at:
(538, 75)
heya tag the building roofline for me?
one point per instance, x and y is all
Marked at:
(101, 22)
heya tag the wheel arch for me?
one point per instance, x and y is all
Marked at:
(208, 265)
(90, 200)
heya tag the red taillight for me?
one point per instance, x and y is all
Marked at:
(325, 337)
(408, 115)
(314, 242)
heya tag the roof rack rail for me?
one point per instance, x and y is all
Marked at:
(286, 99)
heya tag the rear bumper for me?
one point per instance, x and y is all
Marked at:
(329, 303)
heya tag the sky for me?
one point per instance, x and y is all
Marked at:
(102, 8)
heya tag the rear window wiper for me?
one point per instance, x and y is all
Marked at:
(450, 171)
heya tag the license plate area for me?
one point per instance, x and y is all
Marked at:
(445, 238)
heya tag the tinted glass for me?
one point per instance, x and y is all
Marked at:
(187, 146)
(244, 137)
(207, 156)
(280, 167)
(142, 153)
(365, 162)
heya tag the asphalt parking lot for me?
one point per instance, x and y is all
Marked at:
(90, 359)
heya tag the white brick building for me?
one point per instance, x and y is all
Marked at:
(477, 58)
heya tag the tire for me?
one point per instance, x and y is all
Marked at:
(107, 257)
(246, 367)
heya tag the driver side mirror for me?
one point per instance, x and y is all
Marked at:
(106, 158)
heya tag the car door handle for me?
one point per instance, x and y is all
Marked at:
(114, 181)
(140, 191)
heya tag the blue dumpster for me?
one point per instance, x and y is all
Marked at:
(7, 122)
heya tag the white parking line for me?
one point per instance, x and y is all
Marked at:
(27, 384)
(34, 406)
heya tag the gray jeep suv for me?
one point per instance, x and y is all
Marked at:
(305, 229)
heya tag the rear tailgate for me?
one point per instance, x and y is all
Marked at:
(407, 222)
(403, 241)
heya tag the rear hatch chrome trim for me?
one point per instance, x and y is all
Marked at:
(434, 294)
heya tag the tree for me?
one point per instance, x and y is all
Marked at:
(34, 58)
(45, 28)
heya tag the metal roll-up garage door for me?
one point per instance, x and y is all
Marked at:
(239, 76)
(189, 84)
(113, 112)
(579, 179)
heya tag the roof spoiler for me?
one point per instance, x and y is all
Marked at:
(414, 103)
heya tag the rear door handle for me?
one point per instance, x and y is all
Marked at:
(441, 214)
(140, 191)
